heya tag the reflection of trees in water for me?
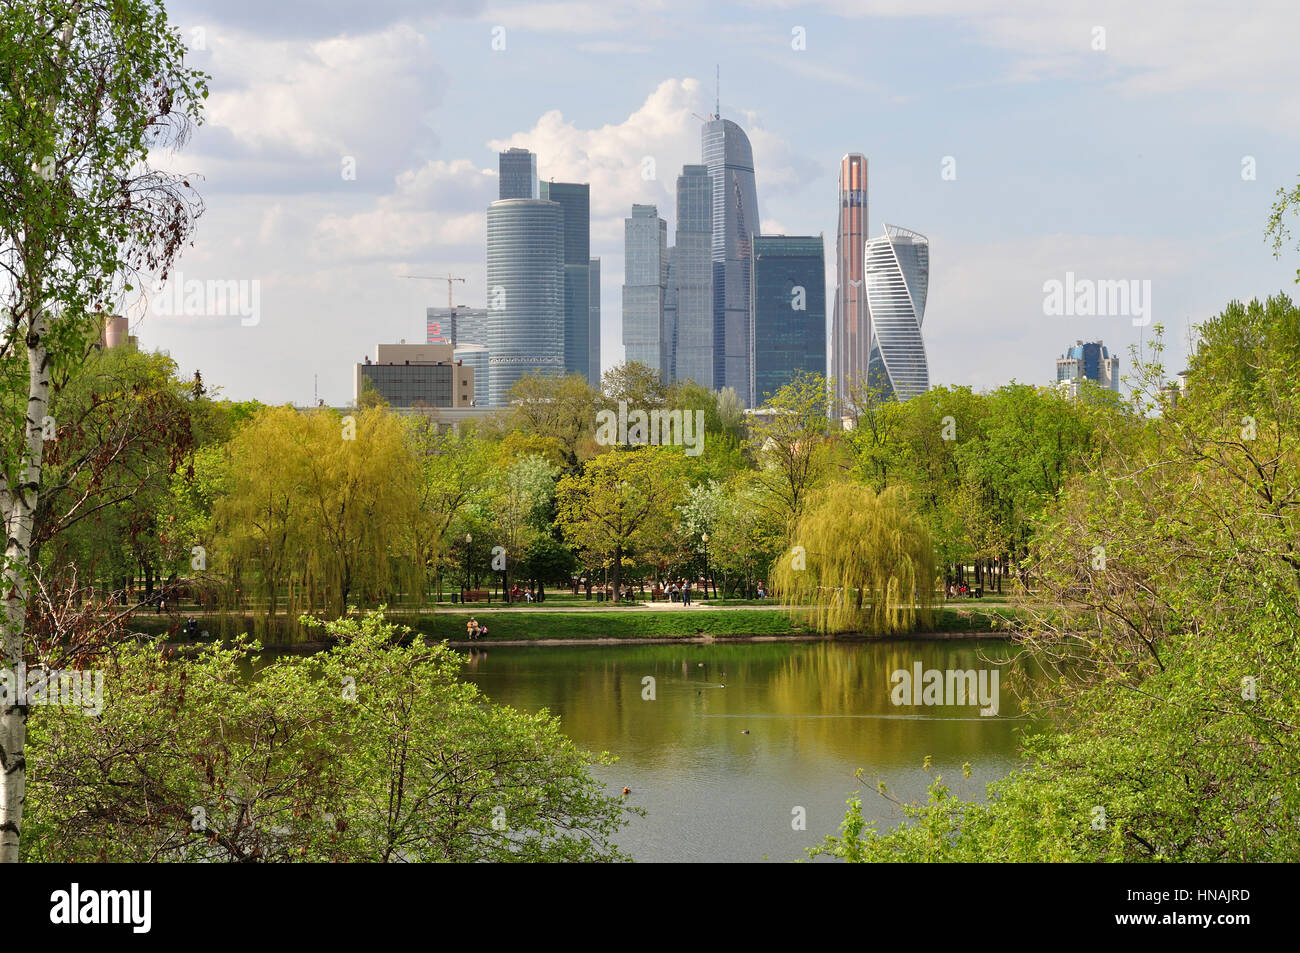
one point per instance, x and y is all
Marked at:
(597, 693)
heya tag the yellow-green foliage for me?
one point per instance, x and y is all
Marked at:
(861, 561)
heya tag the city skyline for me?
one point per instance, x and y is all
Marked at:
(1026, 198)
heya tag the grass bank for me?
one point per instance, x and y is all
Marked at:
(622, 624)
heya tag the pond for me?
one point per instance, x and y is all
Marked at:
(731, 745)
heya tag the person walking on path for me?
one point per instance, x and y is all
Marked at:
(686, 593)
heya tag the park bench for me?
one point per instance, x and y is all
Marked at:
(477, 595)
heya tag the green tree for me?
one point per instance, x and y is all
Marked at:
(623, 505)
(87, 89)
(790, 441)
(375, 752)
(860, 561)
(1168, 619)
(640, 386)
(521, 504)
(559, 409)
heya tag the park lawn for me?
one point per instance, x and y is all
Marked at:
(521, 624)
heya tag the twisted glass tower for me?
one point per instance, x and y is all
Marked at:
(525, 292)
(730, 161)
(897, 276)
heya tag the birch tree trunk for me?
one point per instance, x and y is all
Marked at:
(84, 217)
(19, 509)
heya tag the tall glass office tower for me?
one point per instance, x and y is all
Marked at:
(851, 321)
(575, 200)
(517, 174)
(897, 278)
(730, 161)
(645, 280)
(593, 327)
(525, 292)
(690, 279)
(789, 318)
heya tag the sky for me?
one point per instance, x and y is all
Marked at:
(346, 144)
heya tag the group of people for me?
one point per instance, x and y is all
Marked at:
(474, 630)
(527, 595)
(679, 590)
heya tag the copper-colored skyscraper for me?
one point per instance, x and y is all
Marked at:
(851, 325)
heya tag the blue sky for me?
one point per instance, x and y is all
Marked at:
(1116, 163)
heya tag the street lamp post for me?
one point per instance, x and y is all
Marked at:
(704, 538)
(469, 539)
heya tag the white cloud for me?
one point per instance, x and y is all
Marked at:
(346, 95)
(1245, 52)
(437, 209)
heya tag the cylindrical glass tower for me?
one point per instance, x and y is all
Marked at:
(525, 292)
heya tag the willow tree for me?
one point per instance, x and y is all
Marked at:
(320, 504)
(859, 560)
(88, 88)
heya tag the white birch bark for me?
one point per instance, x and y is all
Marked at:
(19, 512)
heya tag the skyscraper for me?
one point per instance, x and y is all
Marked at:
(851, 323)
(517, 172)
(575, 200)
(456, 326)
(670, 318)
(788, 325)
(730, 161)
(1090, 361)
(645, 279)
(593, 333)
(525, 292)
(690, 279)
(897, 278)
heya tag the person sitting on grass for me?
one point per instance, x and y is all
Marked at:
(471, 629)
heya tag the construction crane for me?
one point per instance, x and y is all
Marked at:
(447, 278)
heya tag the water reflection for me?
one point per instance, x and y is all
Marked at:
(737, 737)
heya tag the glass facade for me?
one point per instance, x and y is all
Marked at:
(456, 326)
(1090, 361)
(593, 332)
(691, 280)
(645, 279)
(575, 200)
(474, 356)
(525, 292)
(851, 327)
(897, 279)
(789, 312)
(414, 385)
(730, 161)
(517, 174)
